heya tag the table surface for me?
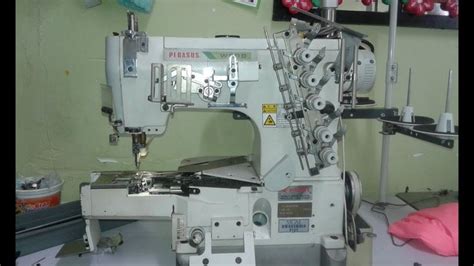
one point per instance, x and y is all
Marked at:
(148, 243)
(423, 200)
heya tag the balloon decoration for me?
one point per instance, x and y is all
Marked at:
(419, 7)
(451, 6)
(301, 4)
(414, 7)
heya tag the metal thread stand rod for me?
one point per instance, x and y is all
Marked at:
(341, 75)
(409, 88)
(389, 80)
(448, 95)
(354, 76)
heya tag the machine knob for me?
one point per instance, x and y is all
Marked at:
(314, 102)
(323, 134)
(308, 80)
(328, 156)
(303, 56)
(197, 236)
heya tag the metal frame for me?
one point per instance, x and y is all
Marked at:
(368, 113)
(391, 129)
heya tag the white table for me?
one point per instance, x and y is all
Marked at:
(385, 253)
(148, 243)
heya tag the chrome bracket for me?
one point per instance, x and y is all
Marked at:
(134, 41)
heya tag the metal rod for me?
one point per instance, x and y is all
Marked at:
(329, 14)
(341, 71)
(336, 25)
(132, 21)
(354, 76)
(409, 88)
(388, 99)
(448, 94)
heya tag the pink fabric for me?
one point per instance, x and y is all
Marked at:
(437, 228)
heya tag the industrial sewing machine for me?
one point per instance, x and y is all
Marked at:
(287, 202)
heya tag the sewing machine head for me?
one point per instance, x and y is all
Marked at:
(295, 114)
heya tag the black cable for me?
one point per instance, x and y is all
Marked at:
(379, 207)
(383, 204)
(388, 224)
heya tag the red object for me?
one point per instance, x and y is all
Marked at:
(451, 6)
(454, 12)
(301, 4)
(437, 228)
(287, 3)
(305, 5)
(339, 2)
(366, 2)
(27, 205)
(447, 5)
(419, 7)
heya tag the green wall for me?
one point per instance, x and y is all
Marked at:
(60, 49)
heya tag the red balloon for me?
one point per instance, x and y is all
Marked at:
(292, 11)
(301, 4)
(454, 11)
(414, 8)
(429, 5)
(366, 2)
(287, 3)
(444, 5)
(305, 5)
(419, 7)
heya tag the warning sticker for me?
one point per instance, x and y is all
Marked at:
(269, 108)
(274, 115)
(269, 121)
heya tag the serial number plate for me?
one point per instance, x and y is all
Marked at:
(293, 225)
(296, 193)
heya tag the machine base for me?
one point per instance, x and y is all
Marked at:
(294, 255)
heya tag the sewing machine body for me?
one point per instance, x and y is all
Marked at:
(223, 215)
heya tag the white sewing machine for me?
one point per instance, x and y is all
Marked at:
(287, 199)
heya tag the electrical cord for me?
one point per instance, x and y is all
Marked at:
(383, 204)
(379, 207)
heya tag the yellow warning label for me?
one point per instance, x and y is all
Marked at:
(269, 121)
(269, 108)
